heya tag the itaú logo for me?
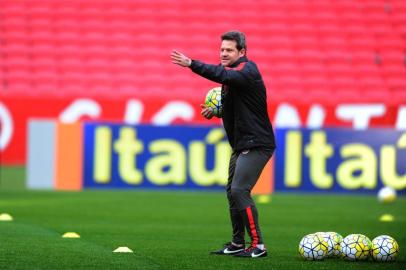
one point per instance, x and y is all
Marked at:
(6, 127)
(342, 159)
(162, 156)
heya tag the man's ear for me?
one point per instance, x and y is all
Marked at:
(242, 52)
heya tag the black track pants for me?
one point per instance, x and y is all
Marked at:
(244, 170)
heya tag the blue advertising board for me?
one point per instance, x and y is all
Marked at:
(144, 156)
(196, 157)
(340, 160)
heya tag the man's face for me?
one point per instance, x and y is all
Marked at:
(229, 52)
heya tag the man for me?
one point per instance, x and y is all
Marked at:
(249, 131)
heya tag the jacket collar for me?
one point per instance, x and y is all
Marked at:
(239, 61)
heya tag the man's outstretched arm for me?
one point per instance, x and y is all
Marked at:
(216, 73)
(184, 61)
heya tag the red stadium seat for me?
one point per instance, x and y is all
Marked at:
(333, 49)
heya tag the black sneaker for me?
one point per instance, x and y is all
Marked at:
(228, 249)
(252, 252)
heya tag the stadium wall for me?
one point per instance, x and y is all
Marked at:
(109, 60)
(15, 113)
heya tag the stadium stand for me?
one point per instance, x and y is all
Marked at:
(311, 51)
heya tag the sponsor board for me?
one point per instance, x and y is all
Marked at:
(340, 160)
(106, 155)
(121, 156)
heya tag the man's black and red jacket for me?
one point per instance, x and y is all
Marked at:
(245, 115)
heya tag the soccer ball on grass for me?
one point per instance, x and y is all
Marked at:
(333, 240)
(337, 238)
(356, 247)
(386, 195)
(384, 248)
(313, 247)
(329, 239)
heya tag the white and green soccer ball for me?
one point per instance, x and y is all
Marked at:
(384, 248)
(213, 100)
(313, 247)
(329, 239)
(337, 239)
(356, 247)
(386, 195)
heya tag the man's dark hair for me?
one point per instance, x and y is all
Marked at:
(238, 37)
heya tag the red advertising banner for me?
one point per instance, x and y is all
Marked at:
(14, 113)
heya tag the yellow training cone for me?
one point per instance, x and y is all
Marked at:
(264, 199)
(71, 235)
(5, 217)
(386, 218)
(123, 250)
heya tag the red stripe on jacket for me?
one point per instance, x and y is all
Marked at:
(239, 67)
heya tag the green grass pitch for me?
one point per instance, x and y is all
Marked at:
(176, 230)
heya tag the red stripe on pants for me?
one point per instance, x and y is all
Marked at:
(252, 227)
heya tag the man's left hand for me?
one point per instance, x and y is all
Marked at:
(180, 59)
